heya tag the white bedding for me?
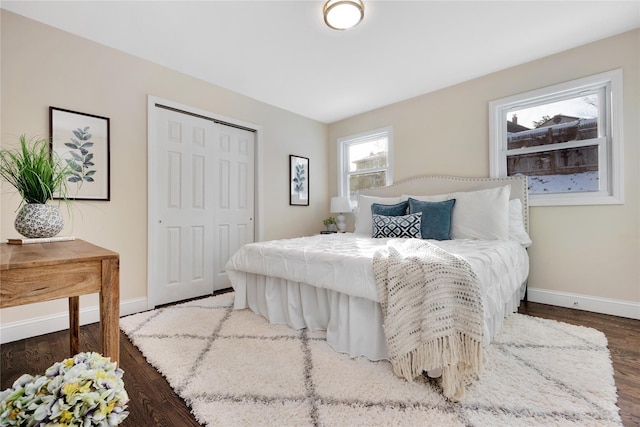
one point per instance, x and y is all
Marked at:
(335, 274)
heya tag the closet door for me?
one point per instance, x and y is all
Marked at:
(234, 215)
(184, 189)
(201, 203)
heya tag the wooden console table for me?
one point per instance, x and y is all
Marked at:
(46, 271)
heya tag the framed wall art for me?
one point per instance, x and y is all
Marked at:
(298, 181)
(81, 141)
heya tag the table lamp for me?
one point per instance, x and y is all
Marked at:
(340, 205)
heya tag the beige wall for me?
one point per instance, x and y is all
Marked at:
(43, 67)
(587, 250)
(584, 250)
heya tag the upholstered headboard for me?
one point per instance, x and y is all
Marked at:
(432, 185)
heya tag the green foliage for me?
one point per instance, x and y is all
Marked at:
(299, 179)
(81, 159)
(329, 221)
(33, 171)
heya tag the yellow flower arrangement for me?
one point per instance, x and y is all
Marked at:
(86, 390)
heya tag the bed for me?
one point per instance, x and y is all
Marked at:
(326, 282)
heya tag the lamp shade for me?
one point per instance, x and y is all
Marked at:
(340, 205)
(343, 14)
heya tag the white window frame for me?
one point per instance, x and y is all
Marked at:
(610, 144)
(343, 165)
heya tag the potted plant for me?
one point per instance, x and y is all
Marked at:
(33, 171)
(330, 223)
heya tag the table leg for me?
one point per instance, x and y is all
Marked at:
(110, 309)
(74, 325)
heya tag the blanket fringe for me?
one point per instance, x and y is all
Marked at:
(432, 306)
(460, 356)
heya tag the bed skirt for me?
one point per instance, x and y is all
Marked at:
(353, 324)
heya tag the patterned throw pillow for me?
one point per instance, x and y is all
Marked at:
(405, 226)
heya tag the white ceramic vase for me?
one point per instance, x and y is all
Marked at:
(36, 220)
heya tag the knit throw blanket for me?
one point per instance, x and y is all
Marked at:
(432, 311)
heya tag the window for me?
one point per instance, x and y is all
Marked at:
(364, 162)
(567, 139)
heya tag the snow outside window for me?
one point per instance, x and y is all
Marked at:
(567, 139)
(364, 162)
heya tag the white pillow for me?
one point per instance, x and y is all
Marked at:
(434, 198)
(481, 214)
(517, 231)
(364, 221)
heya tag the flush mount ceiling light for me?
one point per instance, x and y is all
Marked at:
(343, 14)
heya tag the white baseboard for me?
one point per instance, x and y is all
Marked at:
(57, 322)
(585, 302)
(35, 326)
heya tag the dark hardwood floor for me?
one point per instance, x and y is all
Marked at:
(153, 402)
(623, 336)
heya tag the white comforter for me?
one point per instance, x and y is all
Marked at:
(343, 263)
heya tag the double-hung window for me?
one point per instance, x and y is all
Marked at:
(567, 139)
(364, 162)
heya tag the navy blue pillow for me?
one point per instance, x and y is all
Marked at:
(436, 218)
(399, 209)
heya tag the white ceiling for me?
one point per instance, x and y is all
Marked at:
(281, 53)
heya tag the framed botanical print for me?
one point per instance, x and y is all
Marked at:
(298, 181)
(81, 141)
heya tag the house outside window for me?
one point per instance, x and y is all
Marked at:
(364, 162)
(567, 139)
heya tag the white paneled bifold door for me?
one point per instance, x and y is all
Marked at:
(203, 184)
(234, 197)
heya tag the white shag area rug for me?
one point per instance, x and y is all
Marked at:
(235, 369)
